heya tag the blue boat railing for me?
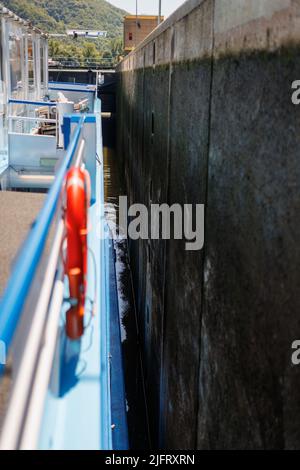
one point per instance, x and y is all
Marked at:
(42, 363)
(25, 268)
(33, 103)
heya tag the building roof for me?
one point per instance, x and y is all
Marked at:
(142, 17)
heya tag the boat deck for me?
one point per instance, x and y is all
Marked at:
(18, 211)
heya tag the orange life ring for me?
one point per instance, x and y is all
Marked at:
(76, 220)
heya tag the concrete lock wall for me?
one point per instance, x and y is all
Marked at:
(205, 116)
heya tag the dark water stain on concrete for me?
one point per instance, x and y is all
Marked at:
(134, 383)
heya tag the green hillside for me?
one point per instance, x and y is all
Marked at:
(55, 16)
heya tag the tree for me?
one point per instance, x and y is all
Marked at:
(54, 48)
(90, 51)
(56, 15)
(116, 46)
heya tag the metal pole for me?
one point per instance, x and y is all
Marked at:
(136, 22)
(159, 12)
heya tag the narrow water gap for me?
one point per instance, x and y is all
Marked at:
(135, 398)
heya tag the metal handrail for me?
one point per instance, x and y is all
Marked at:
(73, 90)
(34, 119)
(54, 82)
(32, 103)
(16, 292)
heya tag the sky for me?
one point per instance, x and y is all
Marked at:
(148, 7)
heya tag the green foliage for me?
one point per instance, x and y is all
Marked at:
(90, 51)
(56, 15)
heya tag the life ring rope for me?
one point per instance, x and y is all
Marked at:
(77, 195)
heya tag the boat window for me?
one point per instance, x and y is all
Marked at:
(1, 74)
(3, 129)
(42, 64)
(31, 77)
(15, 62)
(37, 62)
(46, 65)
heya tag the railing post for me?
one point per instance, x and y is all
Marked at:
(66, 130)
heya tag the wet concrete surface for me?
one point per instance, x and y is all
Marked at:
(248, 384)
(205, 116)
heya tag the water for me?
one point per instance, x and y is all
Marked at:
(134, 383)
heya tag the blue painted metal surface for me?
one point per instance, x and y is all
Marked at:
(69, 83)
(77, 413)
(74, 119)
(86, 395)
(77, 90)
(33, 103)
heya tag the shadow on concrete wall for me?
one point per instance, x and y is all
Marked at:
(217, 325)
